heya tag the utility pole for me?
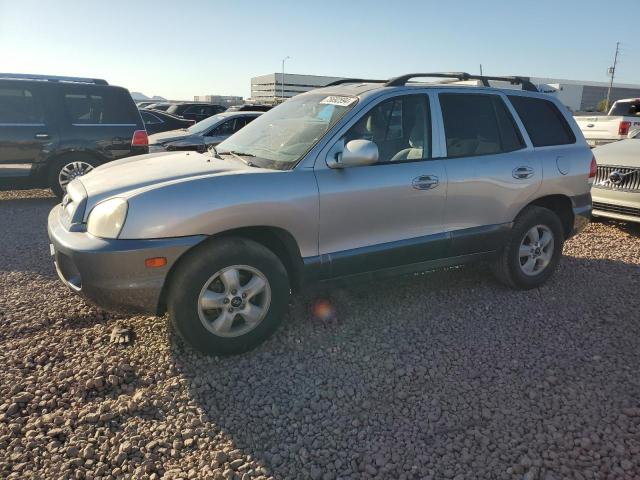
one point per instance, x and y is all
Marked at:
(282, 79)
(480, 69)
(612, 73)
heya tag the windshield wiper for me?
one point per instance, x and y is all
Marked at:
(214, 153)
(239, 156)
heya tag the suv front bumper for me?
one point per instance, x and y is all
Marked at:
(111, 273)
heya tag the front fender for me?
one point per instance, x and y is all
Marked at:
(214, 205)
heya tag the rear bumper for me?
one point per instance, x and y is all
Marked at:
(112, 273)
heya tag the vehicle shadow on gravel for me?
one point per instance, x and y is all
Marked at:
(439, 374)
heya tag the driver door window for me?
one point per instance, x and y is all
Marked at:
(400, 127)
(225, 128)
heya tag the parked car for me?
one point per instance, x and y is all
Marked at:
(163, 107)
(144, 104)
(156, 121)
(54, 129)
(622, 121)
(351, 181)
(202, 135)
(616, 190)
(195, 111)
(249, 108)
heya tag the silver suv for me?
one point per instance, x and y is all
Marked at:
(355, 178)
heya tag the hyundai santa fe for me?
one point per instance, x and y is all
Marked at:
(356, 179)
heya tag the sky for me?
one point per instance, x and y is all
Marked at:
(178, 49)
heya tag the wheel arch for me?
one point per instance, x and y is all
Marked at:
(559, 204)
(281, 242)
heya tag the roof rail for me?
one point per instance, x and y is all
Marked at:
(52, 78)
(353, 80)
(462, 76)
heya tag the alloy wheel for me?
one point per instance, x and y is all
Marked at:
(234, 301)
(71, 171)
(536, 250)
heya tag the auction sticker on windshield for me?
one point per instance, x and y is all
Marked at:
(338, 100)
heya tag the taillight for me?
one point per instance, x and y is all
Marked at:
(623, 129)
(140, 139)
(593, 170)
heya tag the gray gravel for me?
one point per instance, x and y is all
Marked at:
(446, 375)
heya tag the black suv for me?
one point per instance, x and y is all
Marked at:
(53, 129)
(195, 111)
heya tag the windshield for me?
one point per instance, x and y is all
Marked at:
(205, 124)
(280, 137)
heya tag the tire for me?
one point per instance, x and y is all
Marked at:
(75, 164)
(522, 270)
(203, 278)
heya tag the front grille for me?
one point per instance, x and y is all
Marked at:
(626, 179)
(622, 210)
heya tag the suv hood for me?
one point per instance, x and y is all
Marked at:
(623, 153)
(131, 175)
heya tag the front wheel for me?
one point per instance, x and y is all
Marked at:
(533, 250)
(228, 295)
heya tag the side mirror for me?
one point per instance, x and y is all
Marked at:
(355, 153)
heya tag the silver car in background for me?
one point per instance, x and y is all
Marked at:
(356, 180)
(616, 190)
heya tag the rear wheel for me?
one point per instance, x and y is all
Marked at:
(228, 295)
(68, 168)
(533, 250)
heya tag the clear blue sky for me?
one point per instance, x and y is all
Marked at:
(178, 49)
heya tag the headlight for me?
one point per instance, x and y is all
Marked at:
(107, 218)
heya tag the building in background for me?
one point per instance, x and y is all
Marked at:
(582, 96)
(224, 100)
(579, 96)
(268, 88)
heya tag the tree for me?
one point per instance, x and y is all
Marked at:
(602, 105)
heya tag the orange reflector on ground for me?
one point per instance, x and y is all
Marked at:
(155, 262)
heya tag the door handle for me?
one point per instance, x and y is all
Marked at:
(42, 136)
(425, 182)
(521, 173)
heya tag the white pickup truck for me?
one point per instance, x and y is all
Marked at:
(622, 121)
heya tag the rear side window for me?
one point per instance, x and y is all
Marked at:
(149, 118)
(18, 106)
(104, 107)
(545, 124)
(477, 124)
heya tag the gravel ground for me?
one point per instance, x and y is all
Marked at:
(445, 375)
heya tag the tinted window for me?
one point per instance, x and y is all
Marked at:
(225, 128)
(543, 121)
(400, 127)
(17, 105)
(98, 107)
(477, 124)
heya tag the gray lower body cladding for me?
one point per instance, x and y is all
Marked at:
(112, 273)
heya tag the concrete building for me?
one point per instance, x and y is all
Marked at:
(576, 94)
(224, 100)
(268, 88)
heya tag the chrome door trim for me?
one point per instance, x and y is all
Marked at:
(22, 124)
(104, 124)
(15, 166)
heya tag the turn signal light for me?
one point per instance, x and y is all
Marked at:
(623, 129)
(155, 262)
(140, 138)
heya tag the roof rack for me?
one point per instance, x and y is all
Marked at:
(52, 78)
(462, 76)
(353, 80)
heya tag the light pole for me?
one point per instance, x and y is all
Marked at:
(282, 79)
